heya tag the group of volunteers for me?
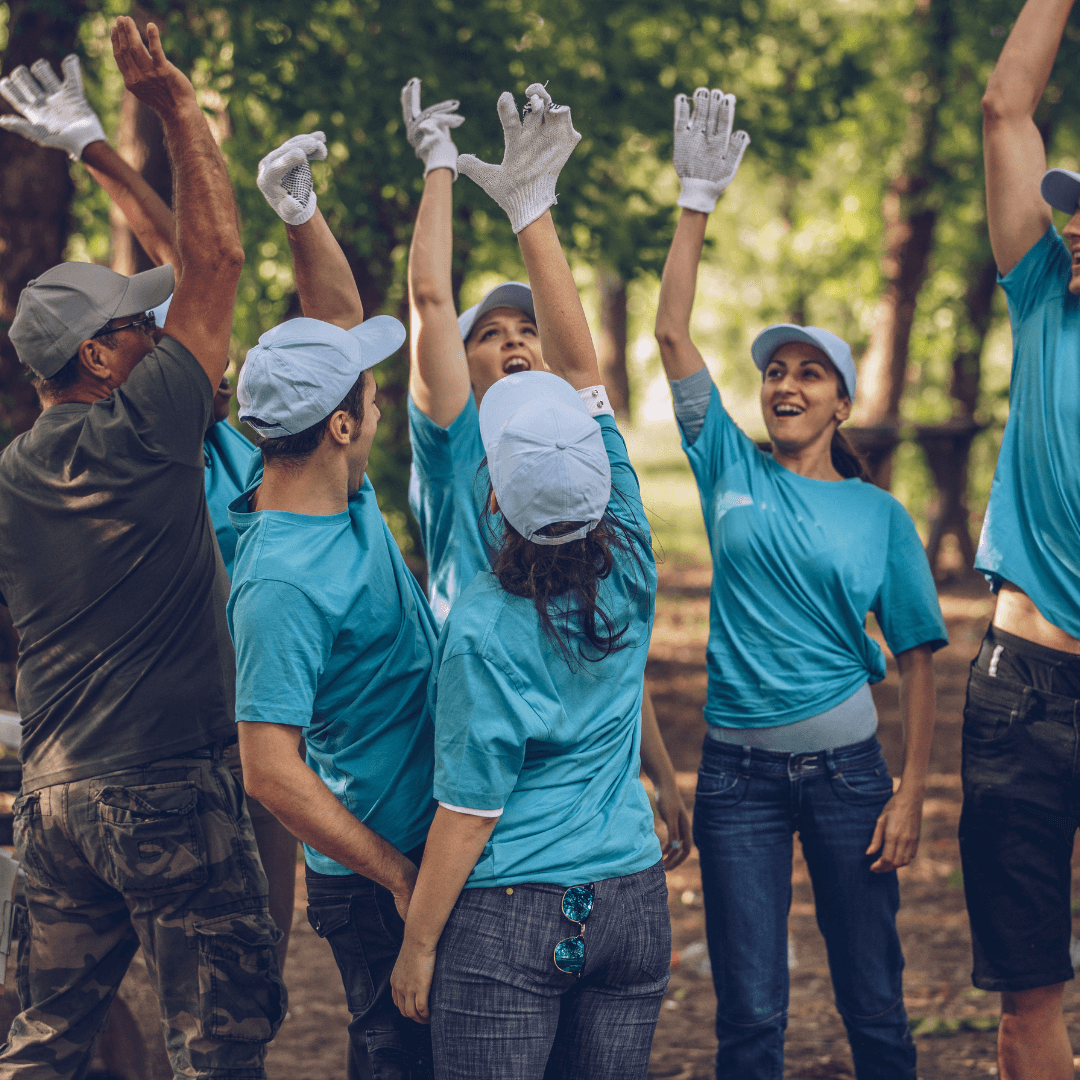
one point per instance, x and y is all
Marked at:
(223, 652)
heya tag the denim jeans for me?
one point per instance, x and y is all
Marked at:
(501, 1010)
(359, 920)
(749, 803)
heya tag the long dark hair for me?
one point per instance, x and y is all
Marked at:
(562, 581)
(846, 460)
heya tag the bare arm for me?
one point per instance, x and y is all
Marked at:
(679, 354)
(324, 280)
(143, 208)
(207, 230)
(276, 775)
(454, 843)
(896, 836)
(656, 763)
(568, 344)
(438, 372)
(1012, 146)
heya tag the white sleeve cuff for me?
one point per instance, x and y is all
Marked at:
(468, 810)
(596, 400)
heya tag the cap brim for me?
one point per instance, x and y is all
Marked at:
(380, 336)
(769, 340)
(511, 294)
(146, 291)
(1061, 189)
(511, 392)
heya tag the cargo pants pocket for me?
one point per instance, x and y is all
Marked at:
(241, 994)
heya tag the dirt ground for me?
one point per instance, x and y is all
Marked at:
(954, 1023)
(954, 1031)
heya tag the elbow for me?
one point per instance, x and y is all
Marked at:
(427, 296)
(999, 107)
(670, 337)
(223, 261)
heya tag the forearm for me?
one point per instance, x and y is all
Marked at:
(276, 775)
(438, 370)
(677, 287)
(564, 331)
(1021, 73)
(655, 760)
(324, 280)
(917, 715)
(149, 218)
(454, 844)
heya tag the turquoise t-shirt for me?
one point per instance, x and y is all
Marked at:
(1031, 532)
(557, 750)
(333, 634)
(797, 564)
(447, 492)
(227, 455)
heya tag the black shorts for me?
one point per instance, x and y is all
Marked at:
(1021, 778)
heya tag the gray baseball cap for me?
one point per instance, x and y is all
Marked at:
(546, 455)
(301, 371)
(836, 349)
(1061, 189)
(63, 307)
(511, 294)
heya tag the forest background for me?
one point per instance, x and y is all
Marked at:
(859, 207)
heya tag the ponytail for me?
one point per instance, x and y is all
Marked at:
(846, 460)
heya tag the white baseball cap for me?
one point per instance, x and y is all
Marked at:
(511, 294)
(836, 349)
(546, 455)
(301, 371)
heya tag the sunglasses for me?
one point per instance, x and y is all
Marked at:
(146, 323)
(577, 904)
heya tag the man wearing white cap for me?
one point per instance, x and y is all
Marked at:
(131, 830)
(1020, 769)
(334, 638)
(453, 361)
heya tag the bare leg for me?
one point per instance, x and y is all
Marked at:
(1033, 1043)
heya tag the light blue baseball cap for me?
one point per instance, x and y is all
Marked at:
(161, 311)
(836, 349)
(546, 455)
(511, 294)
(301, 371)
(1061, 189)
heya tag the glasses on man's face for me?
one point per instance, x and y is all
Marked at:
(146, 323)
(577, 903)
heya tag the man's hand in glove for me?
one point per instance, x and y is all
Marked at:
(428, 132)
(52, 113)
(285, 177)
(707, 154)
(538, 145)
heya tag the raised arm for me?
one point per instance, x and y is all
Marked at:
(438, 372)
(537, 146)
(207, 230)
(707, 156)
(1012, 146)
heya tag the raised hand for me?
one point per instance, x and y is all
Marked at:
(428, 132)
(537, 146)
(147, 72)
(707, 154)
(285, 177)
(52, 113)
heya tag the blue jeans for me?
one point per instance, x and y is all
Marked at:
(501, 1010)
(749, 803)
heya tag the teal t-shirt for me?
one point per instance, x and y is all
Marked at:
(227, 456)
(797, 564)
(1031, 532)
(447, 492)
(333, 634)
(556, 749)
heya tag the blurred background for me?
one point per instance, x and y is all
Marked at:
(859, 206)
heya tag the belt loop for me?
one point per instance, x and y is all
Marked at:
(747, 754)
(830, 761)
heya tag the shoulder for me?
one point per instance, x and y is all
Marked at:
(1042, 274)
(490, 622)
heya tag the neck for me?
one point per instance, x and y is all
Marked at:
(79, 394)
(813, 461)
(318, 487)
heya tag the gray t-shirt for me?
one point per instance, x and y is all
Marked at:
(114, 580)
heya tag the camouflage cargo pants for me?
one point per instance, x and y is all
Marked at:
(161, 856)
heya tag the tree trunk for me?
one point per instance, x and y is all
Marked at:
(613, 342)
(35, 195)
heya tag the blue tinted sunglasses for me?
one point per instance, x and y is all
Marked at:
(577, 903)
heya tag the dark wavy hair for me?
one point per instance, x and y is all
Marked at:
(296, 449)
(562, 581)
(846, 460)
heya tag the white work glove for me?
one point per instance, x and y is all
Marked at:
(707, 154)
(428, 132)
(53, 113)
(537, 147)
(285, 177)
